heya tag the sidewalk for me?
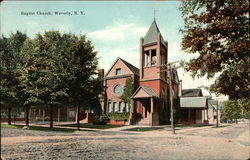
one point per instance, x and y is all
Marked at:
(117, 129)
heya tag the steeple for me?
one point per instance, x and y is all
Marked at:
(153, 54)
(151, 35)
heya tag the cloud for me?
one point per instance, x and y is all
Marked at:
(115, 32)
(118, 40)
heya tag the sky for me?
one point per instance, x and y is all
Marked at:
(114, 28)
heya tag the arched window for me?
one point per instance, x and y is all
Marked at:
(173, 92)
(162, 92)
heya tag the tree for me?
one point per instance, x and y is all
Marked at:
(231, 110)
(217, 33)
(10, 91)
(83, 87)
(44, 64)
(59, 69)
(128, 90)
(245, 107)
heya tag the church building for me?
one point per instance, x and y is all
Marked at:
(151, 82)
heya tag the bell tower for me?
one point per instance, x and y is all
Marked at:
(153, 54)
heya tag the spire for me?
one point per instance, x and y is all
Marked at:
(151, 35)
(154, 13)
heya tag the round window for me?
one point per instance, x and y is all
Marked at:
(118, 90)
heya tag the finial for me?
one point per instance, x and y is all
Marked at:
(154, 13)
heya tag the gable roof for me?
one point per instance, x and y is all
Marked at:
(133, 69)
(148, 90)
(151, 35)
(191, 92)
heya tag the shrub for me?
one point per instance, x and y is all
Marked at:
(137, 116)
(118, 116)
(102, 120)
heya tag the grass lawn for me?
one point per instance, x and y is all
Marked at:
(91, 125)
(38, 128)
(192, 125)
(143, 129)
(11, 126)
(220, 126)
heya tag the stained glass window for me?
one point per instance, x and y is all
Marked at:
(115, 107)
(118, 90)
(109, 107)
(127, 107)
(120, 107)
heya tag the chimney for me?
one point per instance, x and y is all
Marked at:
(100, 73)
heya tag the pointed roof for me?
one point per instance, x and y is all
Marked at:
(151, 35)
(133, 69)
(144, 92)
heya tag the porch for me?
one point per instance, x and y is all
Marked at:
(144, 109)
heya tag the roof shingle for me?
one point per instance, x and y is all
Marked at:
(151, 35)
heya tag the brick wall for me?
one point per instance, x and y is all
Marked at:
(119, 64)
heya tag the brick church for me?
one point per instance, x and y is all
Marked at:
(151, 82)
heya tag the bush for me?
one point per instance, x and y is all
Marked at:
(118, 116)
(137, 116)
(101, 120)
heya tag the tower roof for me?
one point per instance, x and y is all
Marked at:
(151, 35)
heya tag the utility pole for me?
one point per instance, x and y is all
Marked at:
(217, 115)
(171, 99)
(168, 68)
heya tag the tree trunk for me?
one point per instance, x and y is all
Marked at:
(43, 113)
(51, 116)
(78, 117)
(27, 116)
(9, 116)
(58, 114)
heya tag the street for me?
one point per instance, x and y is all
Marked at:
(229, 142)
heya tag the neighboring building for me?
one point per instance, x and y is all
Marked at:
(151, 82)
(194, 107)
(212, 111)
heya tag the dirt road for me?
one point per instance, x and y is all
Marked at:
(231, 142)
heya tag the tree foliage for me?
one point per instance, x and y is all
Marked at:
(128, 90)
(10, 91)
(217, 33)
(9, 54)
(245, 107)
(44, 68)
(59, 69)
(231, 110)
